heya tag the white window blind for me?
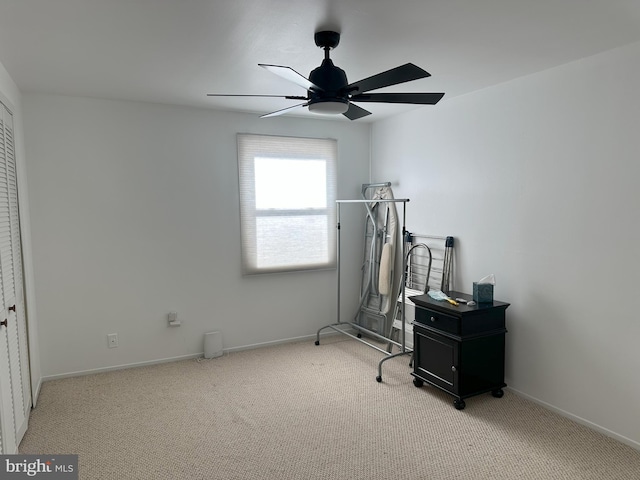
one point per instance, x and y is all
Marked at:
(287, 203)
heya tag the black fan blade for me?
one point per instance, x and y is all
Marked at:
(404, 73)
(416, 98)
(290, 74)
(284, 110)
(289, 97)
(355, 112)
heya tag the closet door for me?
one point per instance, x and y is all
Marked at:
(15, 394)
(7, 421)
(19, 311)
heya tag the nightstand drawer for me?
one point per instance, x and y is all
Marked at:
(440, 321)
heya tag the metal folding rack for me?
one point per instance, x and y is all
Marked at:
(342, 327)
(429, 266)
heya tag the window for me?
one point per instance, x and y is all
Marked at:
(287, 203)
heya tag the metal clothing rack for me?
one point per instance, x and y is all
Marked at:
(340, 326)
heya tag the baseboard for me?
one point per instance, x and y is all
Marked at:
(278, 342)
(120, 367)
(178, 358)
(580, 420)
(36, 394)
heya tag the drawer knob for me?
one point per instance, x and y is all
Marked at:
(433, 319)
(5, 323)
(453, 368)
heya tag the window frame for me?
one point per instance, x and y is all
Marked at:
(253, 146)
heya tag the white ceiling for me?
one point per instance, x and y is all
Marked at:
(177, 51)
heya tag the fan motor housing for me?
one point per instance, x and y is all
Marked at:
(330, 78)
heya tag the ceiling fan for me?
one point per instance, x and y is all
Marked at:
(328, 91)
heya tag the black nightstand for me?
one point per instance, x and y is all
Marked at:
(459, 349)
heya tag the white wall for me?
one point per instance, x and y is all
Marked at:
(135, 214)
(538, 181)
(10, 95)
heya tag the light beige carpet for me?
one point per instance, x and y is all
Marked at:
(300, 411)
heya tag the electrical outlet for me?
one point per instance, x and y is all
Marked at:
(112, 340)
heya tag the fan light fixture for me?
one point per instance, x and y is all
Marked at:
(329, 107)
